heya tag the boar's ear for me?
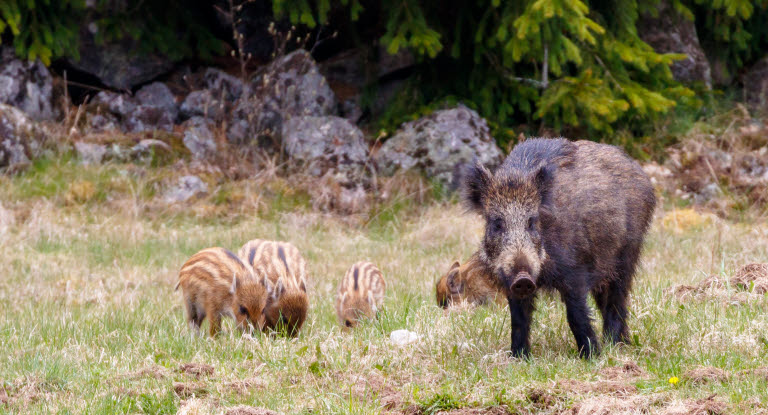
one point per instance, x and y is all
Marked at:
(455, 265)
(476, 182)
(542, 178)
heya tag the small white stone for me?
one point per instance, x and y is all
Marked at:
(404, 337)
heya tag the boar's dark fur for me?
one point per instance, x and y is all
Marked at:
(567, 216)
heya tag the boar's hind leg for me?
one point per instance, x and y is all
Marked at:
(615, 298)
(580, 322)
(520, 311)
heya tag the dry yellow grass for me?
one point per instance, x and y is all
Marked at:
(89, 322)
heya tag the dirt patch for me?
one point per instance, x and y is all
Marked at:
(707, 406)
(249, 410)
(189, 389)
(752, 277)
(4, 398)
(154, 372)
(196, 369)
(706, 374)
(614, 405)
(606, 387)
(494, 410)
(540, 398)
(761, 372)
(627, 370)
(375, 386)
(242, 386)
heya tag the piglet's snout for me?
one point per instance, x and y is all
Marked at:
(522, 285)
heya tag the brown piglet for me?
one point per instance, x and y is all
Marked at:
(216, 283)
(286, 271)
(360, 294)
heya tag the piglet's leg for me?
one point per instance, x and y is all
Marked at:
(520, 311)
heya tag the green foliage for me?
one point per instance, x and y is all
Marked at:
(42, 29)
(50, 29)
(572, 65)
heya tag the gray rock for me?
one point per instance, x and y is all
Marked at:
(26, 85)
(118, 104)
(327, 144)
(148, 148)
(187, 188)
(157, 94)
(117, 64)
(670, 32)
(90, 153)
(289, 87)
(149, 118)
(439, 144)
(199, 139)
(102, 122)
(203, 103)
(21, 139)
(223, 85)
(756, 84)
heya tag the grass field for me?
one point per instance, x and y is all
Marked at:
(89, 322)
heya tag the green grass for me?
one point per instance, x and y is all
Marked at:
(87, 302)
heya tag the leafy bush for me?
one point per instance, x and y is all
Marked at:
(50, 29)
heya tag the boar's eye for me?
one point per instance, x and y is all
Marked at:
(532, 223)
(243, 310)
(348, 323)
(496, 225)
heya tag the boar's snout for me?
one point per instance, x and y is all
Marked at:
(522, 286)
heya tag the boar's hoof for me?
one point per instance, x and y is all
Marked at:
(523, 285)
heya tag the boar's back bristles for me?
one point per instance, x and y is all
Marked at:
(360, 293)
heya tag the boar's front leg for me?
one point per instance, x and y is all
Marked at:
(520, 311)
(580, 322)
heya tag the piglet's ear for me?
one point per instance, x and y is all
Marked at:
(455, 285)
(455, 265)
(234, 285)
(475, 184)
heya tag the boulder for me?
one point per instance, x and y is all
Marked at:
(670, 32)
(290, 86)
(118, 64)
(157, 94)
(90, 153)
(21, 139)
(26, 85)
(439, 144)
(153, 108)
(199, 139)
(202, 103)
(324, 145)
(756, 84)
(187, 188)
(223, 85)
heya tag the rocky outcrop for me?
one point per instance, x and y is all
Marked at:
(439, 144)
(327, 145)
(198, 138)
(670, 32)
(118, 64)
(187, 188)
(25, 85)
(289, 87)
(21, 139)
(153, 108)
(756, 84)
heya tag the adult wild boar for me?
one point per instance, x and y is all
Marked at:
(567, 216)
